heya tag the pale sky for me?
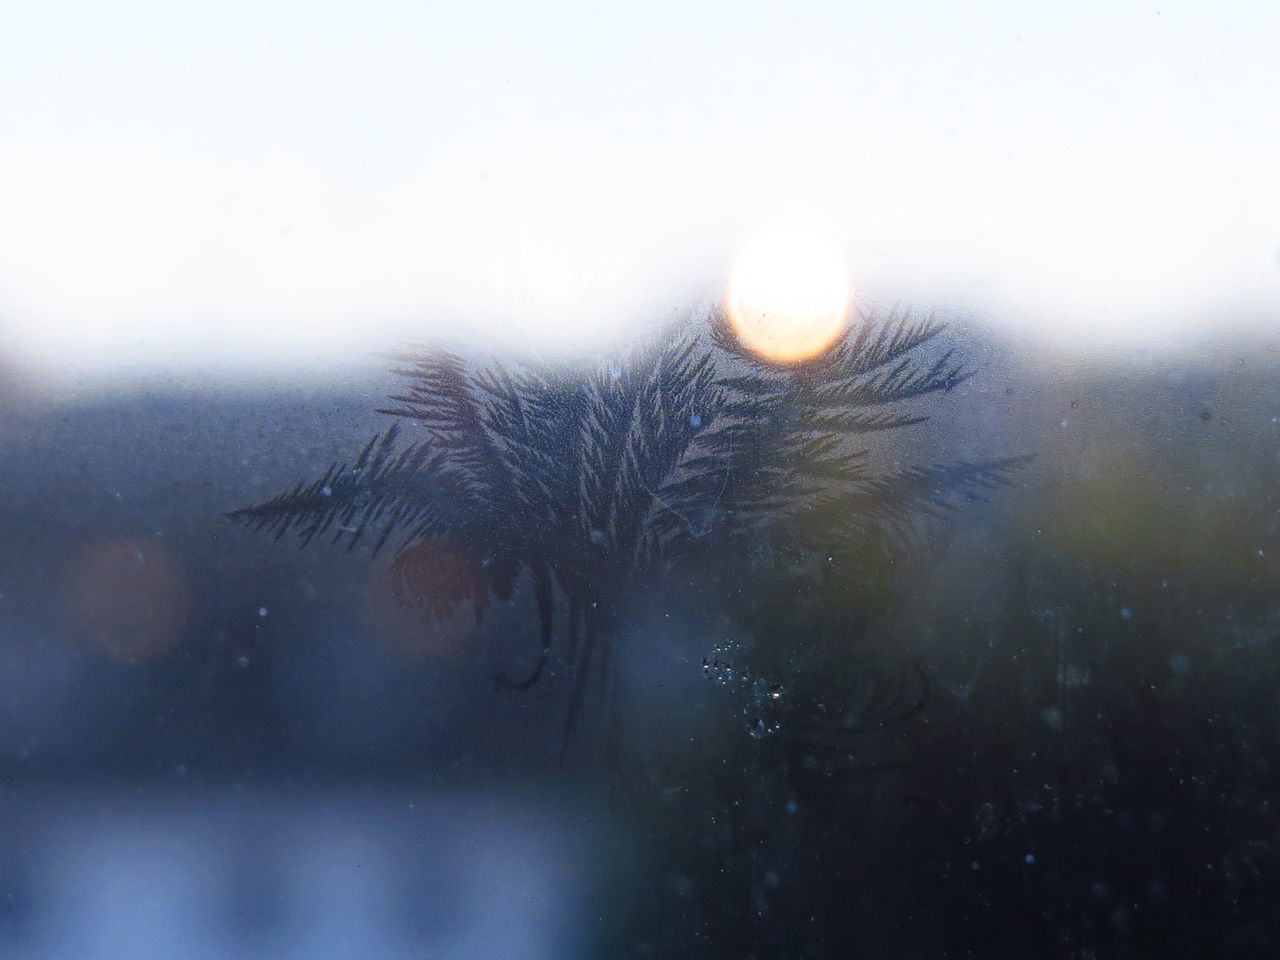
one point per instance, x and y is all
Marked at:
(268, 183)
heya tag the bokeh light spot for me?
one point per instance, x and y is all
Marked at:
(127, 598)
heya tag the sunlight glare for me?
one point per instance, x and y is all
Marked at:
(788, 295)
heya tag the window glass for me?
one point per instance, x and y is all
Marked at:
(728, 482)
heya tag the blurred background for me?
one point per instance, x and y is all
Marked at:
(212, 744)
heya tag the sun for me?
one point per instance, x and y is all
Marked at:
(788, 295)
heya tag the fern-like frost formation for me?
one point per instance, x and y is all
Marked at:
(591, 483)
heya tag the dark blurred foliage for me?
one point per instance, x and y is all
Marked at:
(1101, 782)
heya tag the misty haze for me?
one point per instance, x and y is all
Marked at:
(730, 482)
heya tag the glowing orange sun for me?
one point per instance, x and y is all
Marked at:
(788, 296)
